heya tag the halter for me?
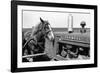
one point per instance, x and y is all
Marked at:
(45, 32)
(41, 30)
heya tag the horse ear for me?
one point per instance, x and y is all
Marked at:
(41, 20)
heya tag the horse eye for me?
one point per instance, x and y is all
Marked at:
(47, 26)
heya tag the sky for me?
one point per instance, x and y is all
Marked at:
(56, 19)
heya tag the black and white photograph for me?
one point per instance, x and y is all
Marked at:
(55, 36)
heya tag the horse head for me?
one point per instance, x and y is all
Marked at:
(47, 30)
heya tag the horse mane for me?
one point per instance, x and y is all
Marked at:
(36, 29)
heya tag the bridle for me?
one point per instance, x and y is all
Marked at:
(43, 30)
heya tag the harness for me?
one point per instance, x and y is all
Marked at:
(36, 43)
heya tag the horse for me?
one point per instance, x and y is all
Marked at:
(35, 43)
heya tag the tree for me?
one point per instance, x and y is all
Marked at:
(83, 24)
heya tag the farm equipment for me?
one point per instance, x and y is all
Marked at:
(72, 45)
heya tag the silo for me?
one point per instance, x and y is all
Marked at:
(70, 23)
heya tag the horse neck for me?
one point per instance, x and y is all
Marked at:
(35, 30)
(40, 36)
